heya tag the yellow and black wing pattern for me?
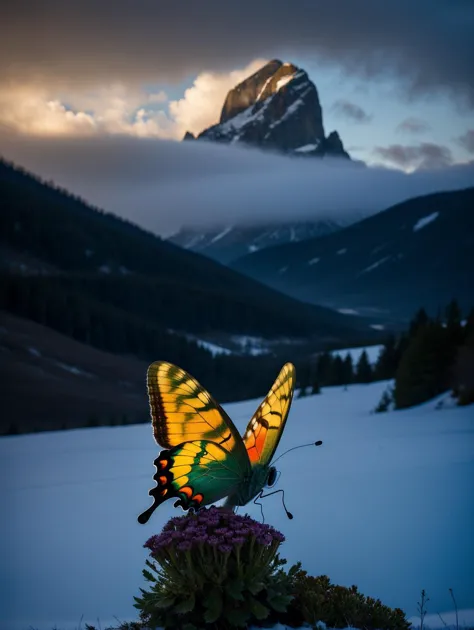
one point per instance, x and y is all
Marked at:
(182, 410)
(266, 426)
(204, 458)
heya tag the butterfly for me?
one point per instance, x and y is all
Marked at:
(204, 458)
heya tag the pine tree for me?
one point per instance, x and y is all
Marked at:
(420, 320)
(463, 372)
(453, 323)
(348, 369)
(387, 361)
(364, 373)
(337, 372)
(424, 367)
(323, 368)
(315, 389)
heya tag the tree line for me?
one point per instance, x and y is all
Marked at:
(435, 354)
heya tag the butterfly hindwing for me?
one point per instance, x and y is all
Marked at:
(266, 426)
(197, 473)
(182, 410)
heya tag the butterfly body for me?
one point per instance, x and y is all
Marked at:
(249, 487)
(204, 458)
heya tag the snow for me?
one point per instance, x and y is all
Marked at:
(347, 311)
(264, 87)
(104, 269)
(372, 351)
(375, 265)
(341, 251)
(283, 269)
(73, 369)
(307, 148)
(213, 348)
(284, 80)
(291, 109)
(253, 248)
(244, 118)
(254, 346)
(385, 503)
(377, 326)
(421, 223)
(465, 619)
(224, 232)
(313, 261)
(34, 351)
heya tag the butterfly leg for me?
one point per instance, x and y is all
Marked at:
(259, 496)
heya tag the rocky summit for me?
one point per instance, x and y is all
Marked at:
(276, 108)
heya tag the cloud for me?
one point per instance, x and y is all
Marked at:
(351, 110)
(467, 141)
(413, 125)
(421, 156)
(202, 103)
(428, 45)
(162, 185)
(34, 110)
(117, 108)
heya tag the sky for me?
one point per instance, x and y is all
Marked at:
(394, 79)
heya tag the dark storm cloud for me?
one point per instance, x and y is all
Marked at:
(425, 155)
(427, 43)
(413, 125)
(162, 185)
(351, 111)
(467, 141)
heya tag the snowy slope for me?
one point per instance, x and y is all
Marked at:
(226, 244)
(385, 503)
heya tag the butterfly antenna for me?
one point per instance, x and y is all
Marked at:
(318, 443)
(264, 496)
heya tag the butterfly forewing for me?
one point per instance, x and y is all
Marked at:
(266, 426)
(182, 410)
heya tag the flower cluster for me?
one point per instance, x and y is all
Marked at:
(216, 527)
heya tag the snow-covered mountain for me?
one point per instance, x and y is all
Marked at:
(227, 243)
(416, 253)
(276, 108)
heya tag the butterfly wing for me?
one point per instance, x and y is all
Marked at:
(182, 410)
(197, 473)
(266, 426)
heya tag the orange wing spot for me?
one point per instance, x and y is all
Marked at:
(163, 480)
(163, 463)
(164, 492)
(187, 491)
(260, 438)
(198, 498)
(253, 454)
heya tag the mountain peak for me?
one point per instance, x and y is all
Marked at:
(276, 108)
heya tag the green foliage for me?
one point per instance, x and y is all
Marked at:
(424, 367)
(388, 359)
(364, 372)
(385, 402)
(463, 372)
(317, 600)
(196, 583)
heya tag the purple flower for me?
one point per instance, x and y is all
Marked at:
(184, 546)
(225, 548)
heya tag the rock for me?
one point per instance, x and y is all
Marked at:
(277, 108)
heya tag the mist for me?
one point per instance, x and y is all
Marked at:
(163, 185)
